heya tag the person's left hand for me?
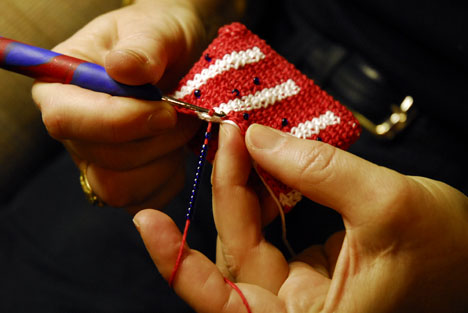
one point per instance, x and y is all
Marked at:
(132, 151)
(404, 248)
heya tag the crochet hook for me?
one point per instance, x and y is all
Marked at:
(50, 66)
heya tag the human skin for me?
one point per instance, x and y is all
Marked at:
(132, 150)
(403, 248)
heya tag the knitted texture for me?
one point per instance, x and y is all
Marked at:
(243, 77)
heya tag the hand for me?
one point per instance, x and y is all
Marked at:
(404, 248)
(131, 150)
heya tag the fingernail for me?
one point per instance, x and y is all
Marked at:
(133, 66)
(263, 138)
(137, 225)
(162, 119)
(138, 55)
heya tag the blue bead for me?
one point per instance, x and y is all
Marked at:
(256, 81)
(246, 116)
(197, 93)
(236, 92)
(208, 58)
(284, 122)
(319, 139)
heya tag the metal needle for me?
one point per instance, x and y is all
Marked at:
(190, 106)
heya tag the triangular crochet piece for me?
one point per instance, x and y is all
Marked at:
(241, 75)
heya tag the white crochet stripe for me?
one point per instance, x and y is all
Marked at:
(314, 126)
(261, 99)
(290, 199)
(230, 61)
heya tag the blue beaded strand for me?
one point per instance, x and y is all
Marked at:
(196, 180)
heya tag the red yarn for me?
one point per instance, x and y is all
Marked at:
(239, 73)
(181, 252)
(244, 299)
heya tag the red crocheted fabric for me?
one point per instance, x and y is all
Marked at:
(240, 75)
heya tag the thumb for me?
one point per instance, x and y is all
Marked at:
(359, 190)
(139, 56)
(150, 36)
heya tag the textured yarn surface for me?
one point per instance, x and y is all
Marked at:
(241, 75)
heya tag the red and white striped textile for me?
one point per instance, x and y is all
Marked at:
(240, 75)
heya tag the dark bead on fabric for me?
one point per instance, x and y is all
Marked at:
(197, 93)
(256, 81)
(284, 122)
(246, 116)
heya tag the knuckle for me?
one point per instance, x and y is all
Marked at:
(231, 262)
(115, 194)
(54, 123)
(139, 186)
(219, 185)
(121, 124)
(399, 204)
(108, 158)
(114, 131)
(399, 193)
(54, 117)
(315, 165)
(117, 157)
(117, 125)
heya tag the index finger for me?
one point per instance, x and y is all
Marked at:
(73, 113)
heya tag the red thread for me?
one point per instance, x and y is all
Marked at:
(244, 299)
(181, 252)
(208, 128)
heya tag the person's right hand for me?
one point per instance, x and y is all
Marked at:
(403, 248)
(131, 150)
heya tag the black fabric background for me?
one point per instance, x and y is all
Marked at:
(58, 254)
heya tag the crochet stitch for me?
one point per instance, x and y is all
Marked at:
(240, 75)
